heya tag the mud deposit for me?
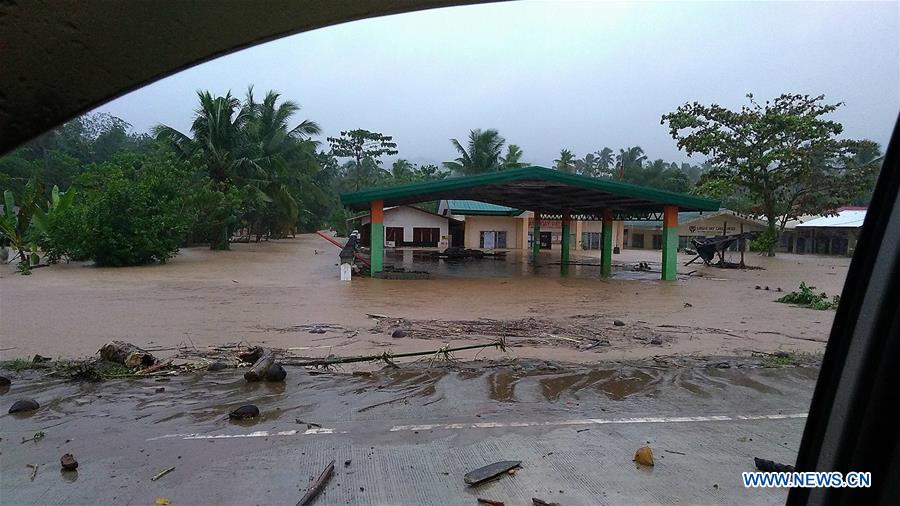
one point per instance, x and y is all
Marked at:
(123, 432)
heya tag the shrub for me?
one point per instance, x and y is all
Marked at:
(131, 211)
(807, 297)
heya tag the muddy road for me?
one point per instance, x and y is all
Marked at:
(407, 436)
(274, 293)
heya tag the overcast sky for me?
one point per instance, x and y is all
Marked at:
(552, 75)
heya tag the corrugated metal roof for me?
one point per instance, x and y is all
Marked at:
(844, 219)
(685, 217)
(537, 189)
(474, 207)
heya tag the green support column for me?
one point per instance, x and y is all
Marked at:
(670, 243)
(566, 243)
(536, 237)
(607, 245)
(376, 235)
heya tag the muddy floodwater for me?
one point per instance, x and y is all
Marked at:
(407, 436)
(275, 292)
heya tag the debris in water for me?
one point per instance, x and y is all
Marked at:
(656, 340)
(318, 485)
(540, 502)
(33, 470)
(68, 462)
(162, 501)
(4, 381)
(128, 354)
(36, 437)
(38, 359)
(244, 412)
(770, 466)
(24, 405)
(644, 456)
(217, 366)
(162, 473)
(487, 472)
(490, 502)
(275, 373)
(261, 366)
(398, 333)
(688, 304)
(310, 425)
(619, 323)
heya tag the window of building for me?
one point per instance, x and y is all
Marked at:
(590, 240)
(492, 239)
(394, 234)
(426, 236)
(657, 241)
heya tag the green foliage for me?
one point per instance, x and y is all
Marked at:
(481, 155)
(365, 148)
(132, 212)
(807, 297)
(513, 158)
(15, 222)
(765, 241)
(565, 162)
(784, 154)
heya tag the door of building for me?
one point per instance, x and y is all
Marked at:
(546, 240)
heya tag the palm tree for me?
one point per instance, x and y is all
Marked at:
(249, 146)
(482, 155)
(513, 158)
(565, 162)
(586, 166)
(605, 161)
(403, 170)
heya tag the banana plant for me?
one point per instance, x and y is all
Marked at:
(14, 224)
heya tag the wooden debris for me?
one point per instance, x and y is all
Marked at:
(540, 502)
(127, 354)
(489, 471)
(163, 473)
(156, 367)
(36, 437)
(33, 470)
(771, 466)
(261, 366)
(317, 486)
(388, 357)
(489, 502)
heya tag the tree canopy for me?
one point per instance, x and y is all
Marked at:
(785, 154)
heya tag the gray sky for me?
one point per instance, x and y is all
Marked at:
(552, 75)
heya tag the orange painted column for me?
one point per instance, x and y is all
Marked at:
(670, 243)
(376, 235)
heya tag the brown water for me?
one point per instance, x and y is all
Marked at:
(275, 292)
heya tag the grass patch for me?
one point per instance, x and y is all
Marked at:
(807, 297)
(76, 370)
(791, 358)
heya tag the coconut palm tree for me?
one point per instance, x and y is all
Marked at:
(605, 161)
(482, 155)
(565, 162)
(513, 158)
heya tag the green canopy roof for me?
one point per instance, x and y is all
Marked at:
(475, 208)
(537, 189)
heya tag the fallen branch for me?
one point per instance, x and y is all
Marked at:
(33, 470)
(162, 473)
(127, 354)
(317, 486)
(154, 368)
(263, 363)
(388, 357)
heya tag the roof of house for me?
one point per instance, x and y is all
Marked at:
(537, 189)
(476, 208)
(688, 217)
(386, 209)
(849, 218)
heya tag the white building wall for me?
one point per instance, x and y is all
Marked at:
(409, 218)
